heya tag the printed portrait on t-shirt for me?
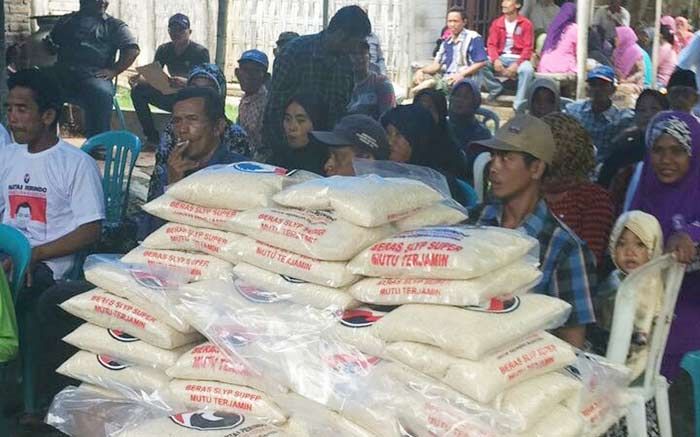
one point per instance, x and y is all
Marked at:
(27, 209)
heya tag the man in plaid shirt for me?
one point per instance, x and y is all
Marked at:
(320, 64)
(522, 150)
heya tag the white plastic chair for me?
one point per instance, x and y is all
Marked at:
(655, 386)
(480, 164)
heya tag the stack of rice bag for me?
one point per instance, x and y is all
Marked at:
(129, 340)
(466, 319)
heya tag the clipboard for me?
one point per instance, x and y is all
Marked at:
(155, 76)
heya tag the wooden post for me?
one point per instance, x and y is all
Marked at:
(222, 34)
(655, 50)
(583, 17)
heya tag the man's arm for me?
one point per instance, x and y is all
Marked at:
(431, 68)
(492, 44)
(81, 238)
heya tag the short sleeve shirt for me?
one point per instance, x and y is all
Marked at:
(466, 50)
(180, 65)
(49, 194)
(88, 43)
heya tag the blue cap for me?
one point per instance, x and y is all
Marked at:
(181, 20)
(255, 56)
(602, 72)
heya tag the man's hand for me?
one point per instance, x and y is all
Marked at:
(136, 80)
(682, 247)
(498, 66)
(512, 71)
(106, 74)
(178, 165)
(454, 78)
(177, 82)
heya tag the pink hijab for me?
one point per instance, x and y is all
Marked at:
(683, 31)
(627, 53)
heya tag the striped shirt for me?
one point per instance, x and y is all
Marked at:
(568, 266)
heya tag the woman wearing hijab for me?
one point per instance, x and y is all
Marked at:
(234, 137)
(583, 206)
(411, 130)
(668, 57)
(302, 114)
(436, 103)
(683, 32)
(668, 189)
(543, 97)
(597, 47)
(559, 50)
(630, 66)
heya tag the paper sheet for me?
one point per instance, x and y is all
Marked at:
(155, 76)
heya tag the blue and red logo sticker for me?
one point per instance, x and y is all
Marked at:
(207, 421)
(110, 363)
(256, 167)
(497, 306)
(121, 336)
(362, 317)
(256, 295)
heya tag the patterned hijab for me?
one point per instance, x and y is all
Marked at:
(211, 72)
(627, 53)
(672, 204)
(574, 157)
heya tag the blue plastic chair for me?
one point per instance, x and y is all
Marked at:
(121, 148)
(691, 364)
(16, 245)
(487, 116)
(469, 193)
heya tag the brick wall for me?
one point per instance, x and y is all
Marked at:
(17, 14)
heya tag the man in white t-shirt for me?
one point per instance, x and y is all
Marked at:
(611, 16)
(49, 190)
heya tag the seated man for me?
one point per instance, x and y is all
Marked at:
(252, 76)
(461, 56)
(510, 46)
(199, 122)
(373, 94)
(522, 150)
(86, 42)
(52, 192)
(354, 136)
(179, 55)
(601, 118)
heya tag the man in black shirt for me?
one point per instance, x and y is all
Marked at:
(86, 43)
(179, 55)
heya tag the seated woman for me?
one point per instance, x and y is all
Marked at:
(543, 97)
(233, 138)
(436, 103)
(668, 189)
(303, 113)
(635, 240)
(684, 33)
(629, 146)
(668, 58)
(629, 63)
(583, 206)
(410, 130)
(464, 127)
(559, 50)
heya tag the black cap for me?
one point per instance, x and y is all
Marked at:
(357, 130)
(682, 77)
(179, 19)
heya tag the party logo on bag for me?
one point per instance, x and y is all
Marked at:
(121, 336)
(497, 306)
(293, 280)
(360, 317)
(348, 364)
(206, 421)
(256, 295)
(147, 279)
(256, 167)
(110, 363)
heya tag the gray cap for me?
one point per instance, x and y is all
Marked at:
(357, 130)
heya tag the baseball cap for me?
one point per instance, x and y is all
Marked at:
(255, 56)
(180, 19)
(286, 36)
(357, 130)
(602, 72)
(681, 77)
(524, 133)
